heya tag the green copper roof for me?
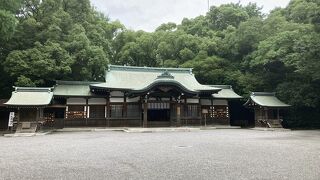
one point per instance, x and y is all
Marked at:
(225, 93)
(139, 78)
(25, 96)
(73, 88)
(265, 99)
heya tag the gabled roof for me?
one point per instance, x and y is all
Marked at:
(265, 99)
(225, 93)
(29, 96)
(73, 88)
(139, 78)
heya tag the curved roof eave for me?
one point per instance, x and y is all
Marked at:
(266, 99)
(282, 105)
(165, 82)
(104, 86)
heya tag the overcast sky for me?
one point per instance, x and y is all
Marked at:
(149, 14)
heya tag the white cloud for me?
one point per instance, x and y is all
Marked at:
(149, 14)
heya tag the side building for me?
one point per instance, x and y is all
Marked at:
(130, 96)
(267, 109)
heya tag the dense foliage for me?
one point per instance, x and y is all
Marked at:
(43, 41)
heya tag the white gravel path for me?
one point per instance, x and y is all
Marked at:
(213, 154)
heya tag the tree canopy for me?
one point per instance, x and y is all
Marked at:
(47, 40)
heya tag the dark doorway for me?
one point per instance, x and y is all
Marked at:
(240, 115)
(159, 111)
(4, 118)
(159, 115)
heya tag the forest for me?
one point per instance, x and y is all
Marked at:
(47, 40)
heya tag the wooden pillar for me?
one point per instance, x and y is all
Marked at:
(255, 116)
(37, 117)
(37, 114)
(125, 111)
(178, 114)
(267, 114)
(108, 110)
(18, 117)
(145, 113)
(184, 109)
(171, 111)
(199, 111)
(141, 111)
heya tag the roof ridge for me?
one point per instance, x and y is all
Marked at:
(263, 94)
(33, 89)
(60, 82)
(222, 86)
(145, 68)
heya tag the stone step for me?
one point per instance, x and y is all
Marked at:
(26, 127)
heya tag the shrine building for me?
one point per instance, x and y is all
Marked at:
(129, 97)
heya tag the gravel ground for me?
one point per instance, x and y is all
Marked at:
(215, 154)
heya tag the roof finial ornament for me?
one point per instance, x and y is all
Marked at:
(166, 74)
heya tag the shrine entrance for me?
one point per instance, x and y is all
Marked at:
(159, 114)
(159, 111)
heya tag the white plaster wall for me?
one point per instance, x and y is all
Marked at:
(135, 99)
(80, 101)
(205, 102)
(220, 102)
(97, 101)
(116, 93)
(192, 100)
(116, 99)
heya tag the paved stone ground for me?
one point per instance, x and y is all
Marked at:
(215, 154)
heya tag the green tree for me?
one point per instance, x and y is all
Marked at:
(226, 15)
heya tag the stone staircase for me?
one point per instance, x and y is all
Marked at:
(275, 123)
(271, 123)
(26, 127)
